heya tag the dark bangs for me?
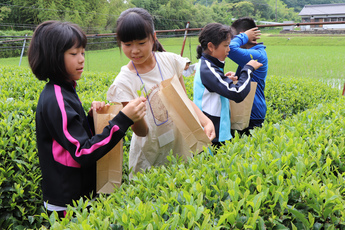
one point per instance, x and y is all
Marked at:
(133, 27)
(223, 34)
(72, 36)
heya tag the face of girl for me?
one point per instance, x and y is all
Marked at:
(222, 51)
(138, 51)
(74, 62)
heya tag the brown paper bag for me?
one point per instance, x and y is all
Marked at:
(240, 112)
(182, 113)
(109, 167)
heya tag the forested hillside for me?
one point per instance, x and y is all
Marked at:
(97, 16)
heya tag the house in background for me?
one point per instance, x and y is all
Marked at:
(323, 13)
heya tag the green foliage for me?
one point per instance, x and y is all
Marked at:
(243, 9)
(20, 191)
(294, 96)
(4, 12)
(286, 176)
(100, 16)
(286, 97)
(15, 33)
(267, 10)
(92, 16)
(5, 51)
(289, 174)
(222, 13)
(21, 201)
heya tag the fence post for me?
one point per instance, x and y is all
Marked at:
(21, 55)
(184, 40)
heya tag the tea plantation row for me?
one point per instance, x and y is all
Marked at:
(288, 175)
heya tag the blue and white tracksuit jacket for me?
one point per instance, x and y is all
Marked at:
(242, 56)
(212, 91)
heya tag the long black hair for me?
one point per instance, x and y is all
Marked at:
(47, 47)
(136, 24)
(215, 33)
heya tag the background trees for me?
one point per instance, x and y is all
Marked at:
(97, 16)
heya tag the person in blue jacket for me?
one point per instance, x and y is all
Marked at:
(243, 48)
(213, 88)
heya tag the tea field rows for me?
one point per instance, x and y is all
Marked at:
(287, 175)
(289, 55)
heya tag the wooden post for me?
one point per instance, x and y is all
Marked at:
(184, 39)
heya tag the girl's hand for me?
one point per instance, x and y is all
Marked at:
(231, 76)
(255, 64)
(96, 105)
(206, 123)
(253, 35)
(135, 109)
(209, 130)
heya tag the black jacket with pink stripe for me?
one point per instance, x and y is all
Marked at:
(67, 148)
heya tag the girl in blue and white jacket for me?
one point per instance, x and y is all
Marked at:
(213, 88)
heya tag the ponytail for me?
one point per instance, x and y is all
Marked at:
(199, 51)
(157, 46)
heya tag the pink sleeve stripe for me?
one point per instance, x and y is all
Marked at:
(78, 152)
(62, 156)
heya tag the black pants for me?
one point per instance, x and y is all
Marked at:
(252, 125)
(61, 214)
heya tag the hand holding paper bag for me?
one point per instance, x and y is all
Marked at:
(109, 167)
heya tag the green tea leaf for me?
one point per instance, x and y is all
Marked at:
(300, 216)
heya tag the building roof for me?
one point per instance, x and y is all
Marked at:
(323, 9)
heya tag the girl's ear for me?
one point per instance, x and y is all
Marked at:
(154, 36)
(210, 46)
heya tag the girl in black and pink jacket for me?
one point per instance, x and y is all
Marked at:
(67, 147)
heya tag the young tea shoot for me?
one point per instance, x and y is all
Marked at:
(141, 92)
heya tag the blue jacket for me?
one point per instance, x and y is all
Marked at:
(242, 57)
(212, 91)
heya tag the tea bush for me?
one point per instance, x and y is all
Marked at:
(287, 172)
(286, 97)
(288, 175)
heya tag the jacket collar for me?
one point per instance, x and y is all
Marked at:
(213, 60)
(66, 84)
(259, 46)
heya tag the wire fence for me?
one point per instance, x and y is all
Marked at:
(12, 46)
(15, 46)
